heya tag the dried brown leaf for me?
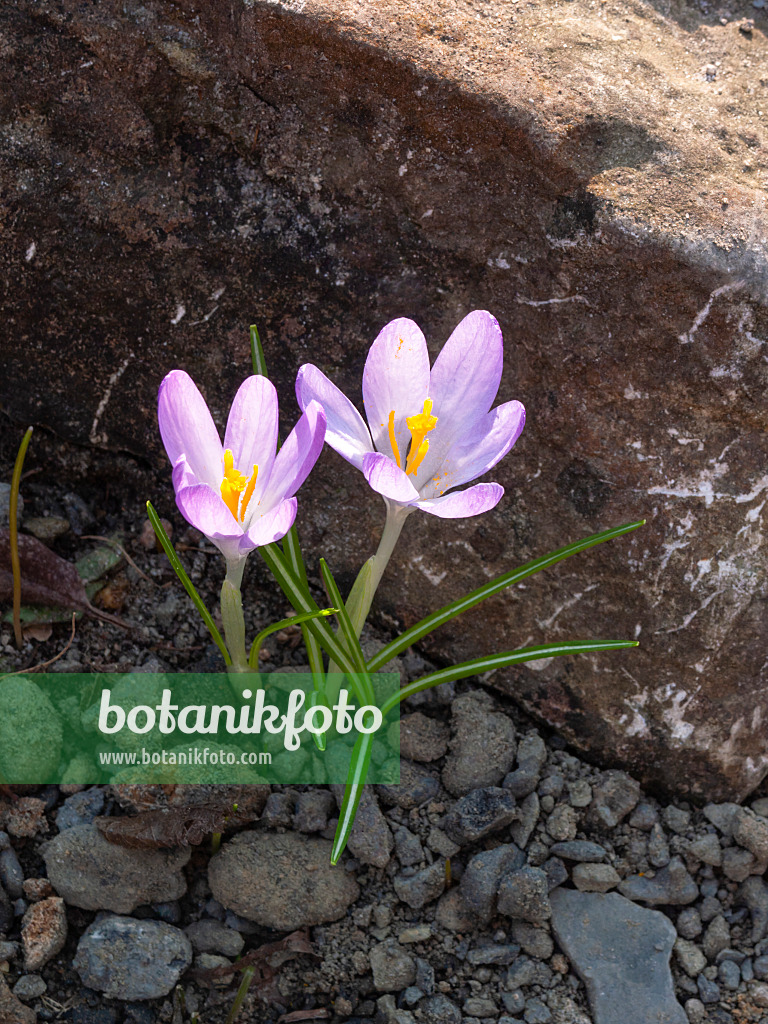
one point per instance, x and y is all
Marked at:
(265, 960)
(178, 826)
(40, 631)
(45, 578)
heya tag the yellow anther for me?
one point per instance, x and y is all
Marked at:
(416, 460)
(233, 485)
(419, 426)
(393, 439)
(249, 492)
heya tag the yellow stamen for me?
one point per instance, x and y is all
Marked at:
(249, 492)
(419, 426)
(393, 439)
(416, 461)
(233, 485)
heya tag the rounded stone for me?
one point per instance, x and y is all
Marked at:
(393, 968)
(281, 881)
(132, 960)
(523, 895)
(595, 877)
(43, 932)
(91, 873)
(29, 987)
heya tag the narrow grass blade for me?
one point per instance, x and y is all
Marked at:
(292, 551)
(187, 583)
(315, 699)
(13, 535)
(494, 661)
(359, 601)
(302, 602)
(358, 773)
(348, 631)
(257, 353)
(291, 545)
(295, 620)
(450, 611)
(242, 992)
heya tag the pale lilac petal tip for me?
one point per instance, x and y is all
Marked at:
(395, 379)
(270, 527)
(466, 376)
(297, 456)
(463, 504)
(187, 428)
(388, 480)
(251, 433)
(346, 431)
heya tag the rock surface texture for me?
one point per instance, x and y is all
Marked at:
(281, 881)
(595, 177)
(626, 981)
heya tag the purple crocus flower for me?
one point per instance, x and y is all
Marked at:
(240, 495)
(430, 430)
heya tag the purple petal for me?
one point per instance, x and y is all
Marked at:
(396, 378)
(294, 460)
(466, 376)
(182, 475)
(346, 430)
(252, 426)
(204, 509)
(270, 527)
(462, 504)
(384, 476)
(479, 449)
(187, 428)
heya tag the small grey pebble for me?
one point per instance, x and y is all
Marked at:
(710, 908)
(513, 1001)
(8, 950)
(169, 912)
(709, 991)
(412, 995)
(11, 872)
(537, 1012)
(580, 793)
(729, 974)
(29, 987)
(696, 1011)
(689, 923)
(552, 785)
(676, 819)
(644, 817)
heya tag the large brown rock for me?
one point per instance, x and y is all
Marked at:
(594, 177)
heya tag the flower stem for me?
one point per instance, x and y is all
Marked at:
(358, 604)
(396, 516)
(234, 621)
